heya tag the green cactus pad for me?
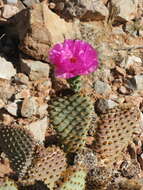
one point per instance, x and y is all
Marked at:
(47, 168)
(72, 179)
(8, 185)
(19, 145)
(70, 116)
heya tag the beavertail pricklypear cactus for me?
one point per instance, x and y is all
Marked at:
(39, 185)
(8, 185)
(47, 167)
(115, 131)
(70, 116)
(72, 179)
(18, 145)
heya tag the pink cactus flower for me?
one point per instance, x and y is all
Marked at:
(73, 58)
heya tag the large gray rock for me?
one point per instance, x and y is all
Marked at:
(35, 69)
(6, 69)
(39, 29)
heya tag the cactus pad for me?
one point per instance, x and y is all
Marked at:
(47, 168)
(114, 132)
(39, 185)
(72, 179)
(19, 145)
(8, 185)
(70, 116)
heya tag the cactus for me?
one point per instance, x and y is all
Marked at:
(47, 167)
(114, 132)
(72, 179)
(18, 145)
(75, 83)
(37, 186)
(70, 116)
(8, 185)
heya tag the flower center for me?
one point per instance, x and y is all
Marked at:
(73, 59)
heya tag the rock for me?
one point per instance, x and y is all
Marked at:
(137, 82)
(7, 70)
(102, 74)
(21, 78)
(37, 44)
(133, 27)
(9, 11)
(13, 108)
(6, 90)
(129, 169)
(125, 90)
(125, 10)
(11, 1)
(30, 3)
(83, 9)
(43, 87)
(22, 94)
(102, 105)
(38, 129)
(35, 69)
(42, 109)
(2, 104)
(101, 87)
(141, 119)
(122, 90)
(140, 160)
(94, 10)
(131, 60)
(87, 158)
(29, 107)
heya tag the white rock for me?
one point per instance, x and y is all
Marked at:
(11, 1)
(42, 109)
(9, 11)
(127, 9)
(6, 69)
(29, 107)
(12, 108)
(95, 9)
(102, 105)
(38, 129)
(141, 120)
(126, 63)
(30, 3)
(2, 104)
(137, 81)
(35, 69)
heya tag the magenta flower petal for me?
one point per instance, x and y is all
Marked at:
(73, 58)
